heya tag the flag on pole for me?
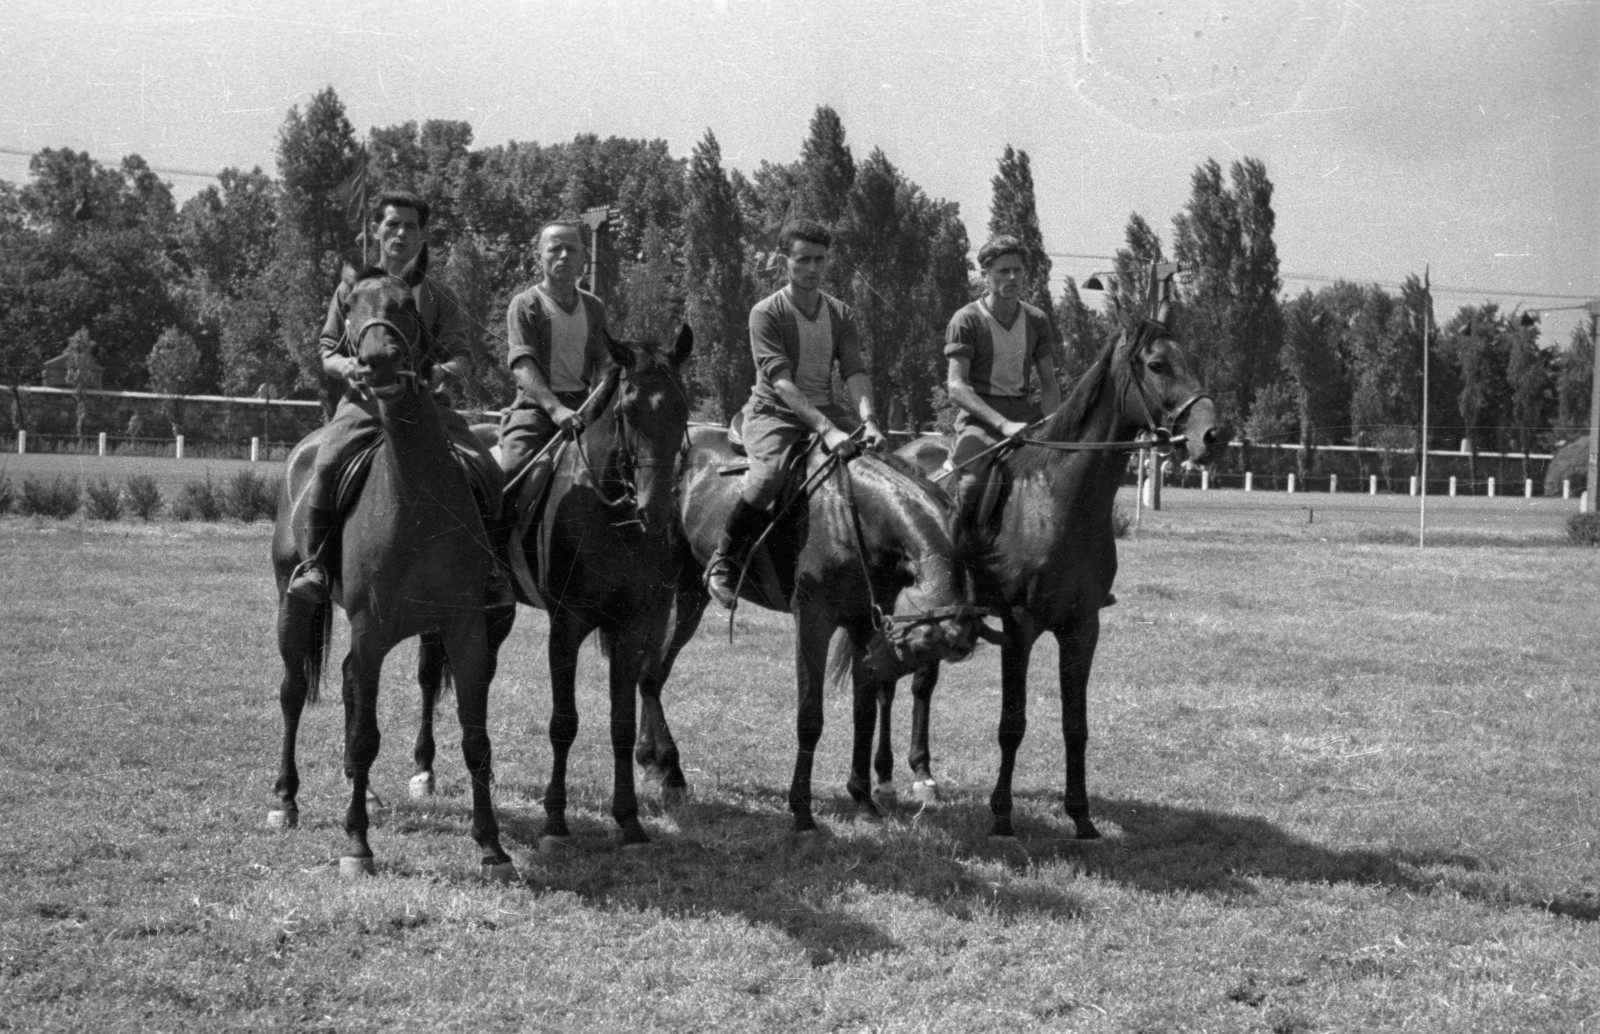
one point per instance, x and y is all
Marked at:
(351, 193)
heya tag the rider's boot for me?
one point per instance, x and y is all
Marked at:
(309, 582)
(739, 536)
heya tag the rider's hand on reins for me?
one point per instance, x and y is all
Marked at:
(839, 444)
(873, 438)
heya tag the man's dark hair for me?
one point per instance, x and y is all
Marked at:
(808, 230)
(401, 199)
(997, 247)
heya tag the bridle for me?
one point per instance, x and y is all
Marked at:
(1163, 434)
(627, 464)
(406, 377)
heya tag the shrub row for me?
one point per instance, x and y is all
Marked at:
(244, 497)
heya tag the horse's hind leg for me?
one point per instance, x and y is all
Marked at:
(920, 758)
(812, 631)
(471, 663)
(431, 666)
(883, 788)
(300, 643)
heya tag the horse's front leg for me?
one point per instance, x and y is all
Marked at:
(566, 635)
(883, 788)
(920, 758)
(657, 751)
(1013, 720)
(1076, 647)
(361, 741)
(870, 700)
(432, 665)
(627, 653)
(471, 665)
(813, 628)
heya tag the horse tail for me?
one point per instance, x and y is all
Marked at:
(320, 635)
(841, 653)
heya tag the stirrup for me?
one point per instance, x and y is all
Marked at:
(722, 578)
(308, 582)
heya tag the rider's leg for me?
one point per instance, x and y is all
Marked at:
(767, 441)
(352, 429)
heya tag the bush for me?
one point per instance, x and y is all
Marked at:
(1584, 529)
(56, 498)
(249, 497)
(104, 502)
(1121, 521)
(7, 496)
(144, 498)
(198, 501)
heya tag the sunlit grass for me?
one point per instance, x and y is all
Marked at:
(1347, 787)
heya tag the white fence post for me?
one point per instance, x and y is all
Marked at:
(102, 443)
(1333, 483)
(1491, 488)
(1205, 479)
(1249, 481)
(22, 442)
(180, 447)
(1566, 488)
(1372, 485)
(1413, 484)
(1291, 484)
(1527, 488)
(1452, 485)
(255, 450)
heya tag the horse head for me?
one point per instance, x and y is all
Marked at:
(1162, 394)
(934, 618)
(651, 409)
(384, 328)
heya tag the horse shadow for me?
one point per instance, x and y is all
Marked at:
(730, 854)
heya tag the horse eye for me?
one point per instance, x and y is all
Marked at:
(1156, 366)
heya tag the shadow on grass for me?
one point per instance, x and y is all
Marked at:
(1164, 849)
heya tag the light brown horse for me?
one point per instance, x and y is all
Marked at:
(1047, 552)
(411, 559)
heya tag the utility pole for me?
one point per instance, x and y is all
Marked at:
(1594, 408)
(1422, 495)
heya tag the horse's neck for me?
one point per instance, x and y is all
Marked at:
(1075, 479)
(415, 439)
(904, 523)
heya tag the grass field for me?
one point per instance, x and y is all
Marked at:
(1347, 785)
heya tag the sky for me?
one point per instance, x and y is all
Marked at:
(1461, 136)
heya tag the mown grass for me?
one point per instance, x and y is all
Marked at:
(1346, 786)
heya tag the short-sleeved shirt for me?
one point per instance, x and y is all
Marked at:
(785, 344)
(569, 348)
(1000, 358)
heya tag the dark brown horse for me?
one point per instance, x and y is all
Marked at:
(1047, 554)
(868, 532)
(608, 535)
(411, 559)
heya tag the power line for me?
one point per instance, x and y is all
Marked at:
(1326, 278)
(164, 171)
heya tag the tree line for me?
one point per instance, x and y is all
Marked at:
(226, 293)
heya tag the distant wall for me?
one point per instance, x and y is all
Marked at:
(54, 411)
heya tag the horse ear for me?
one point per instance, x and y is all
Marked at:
(349, 275)
(621, 354)
(681, 346)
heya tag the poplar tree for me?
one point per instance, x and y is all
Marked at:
(716, 294)
(1012, 211)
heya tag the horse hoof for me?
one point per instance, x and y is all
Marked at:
(925, 791)
(886, 793)
(351, 867)
(674, 796)
(869, 812)
(421, 785)
(554, 845)
(283, 819)
(500, 872)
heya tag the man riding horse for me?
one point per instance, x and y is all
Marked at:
(556, 349)
(993, 345)
(797, 335)
(400, 225)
